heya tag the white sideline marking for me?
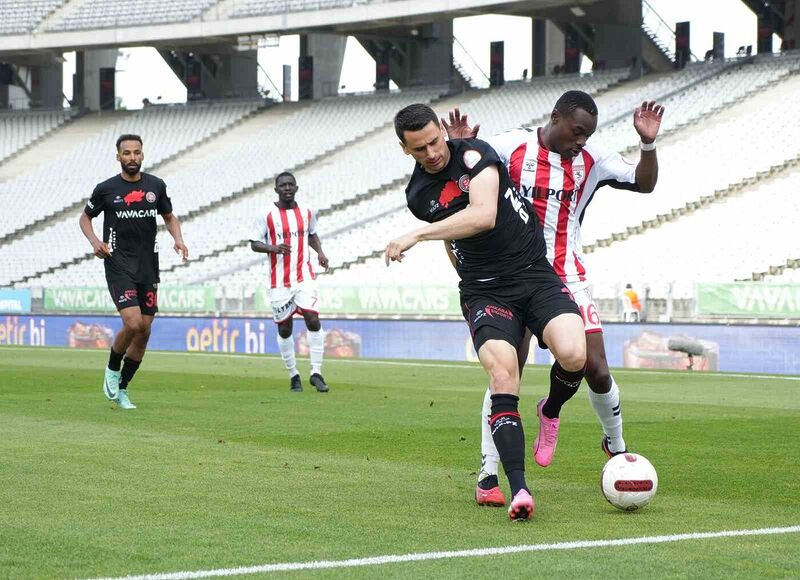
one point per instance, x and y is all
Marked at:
(474, 553)
(398, 363)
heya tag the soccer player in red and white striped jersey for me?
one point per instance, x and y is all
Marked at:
(288, 232)
(559, 172)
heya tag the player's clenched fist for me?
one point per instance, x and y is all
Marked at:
(101, 250)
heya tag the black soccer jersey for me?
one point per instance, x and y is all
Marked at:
(516, 241)
(129, 224)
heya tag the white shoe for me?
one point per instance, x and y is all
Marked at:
(123, 401)
(111, 384)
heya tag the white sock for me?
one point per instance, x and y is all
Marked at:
(316, 347)
(490, 458)
(607, 408)
(286, 345)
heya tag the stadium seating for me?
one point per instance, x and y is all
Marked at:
(236, 167)
(358, 173)
(56, 185)
(702, 161)
(21, 128)
(22, 16)
(721, 242)
(117, 13)
(703, 88)
(262, 8)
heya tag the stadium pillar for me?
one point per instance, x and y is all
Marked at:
(618, 36)
(47, 86)
(791, 30)
(93, 61)
(617, 46)
(327, 55)
(718, 49)
(422, 55)
(766, 28)
(548, 46)
(224, 76)
(6, 78)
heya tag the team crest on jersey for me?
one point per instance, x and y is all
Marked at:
(150, 197)
(471, 158)
(463, 183)
(578, 173)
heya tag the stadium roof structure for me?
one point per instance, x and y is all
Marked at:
(213, 27)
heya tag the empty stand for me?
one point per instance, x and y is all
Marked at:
(20, 129)
(69, 178)
(22, 16)
(117, 13)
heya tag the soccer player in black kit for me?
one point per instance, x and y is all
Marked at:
(463, 190)
(129, 203)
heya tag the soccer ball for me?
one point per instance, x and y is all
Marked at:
(629, 481)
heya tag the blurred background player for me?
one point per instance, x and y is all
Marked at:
(129, 203)
(631, 306)
(285, 233)
(462, 189)
(559, 172)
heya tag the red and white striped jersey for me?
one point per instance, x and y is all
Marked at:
(560, 189)
(287, 226)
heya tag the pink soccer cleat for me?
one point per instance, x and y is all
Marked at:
(492, 497)
(521, 508)
(545, 445)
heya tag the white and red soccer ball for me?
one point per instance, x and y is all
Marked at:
(629, 481)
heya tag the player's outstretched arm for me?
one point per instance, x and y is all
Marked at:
(647, 122)
(99, 247)
(479, 216)
(458, 127)
(174, 228)
(316, 243)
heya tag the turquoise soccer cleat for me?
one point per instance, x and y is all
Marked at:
(111, 384)
(123, 401)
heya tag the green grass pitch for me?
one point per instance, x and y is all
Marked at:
(221, 466)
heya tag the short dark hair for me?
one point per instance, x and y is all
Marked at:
(128, 137)
(285, 174)
(572, 100)
(413, 118)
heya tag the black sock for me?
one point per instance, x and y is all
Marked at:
(130, 368)
(509, 438)
(114, 360)
(563, 385)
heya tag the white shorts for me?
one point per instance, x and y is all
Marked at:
(582, 293)
(300, 298)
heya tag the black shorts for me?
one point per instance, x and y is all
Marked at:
(501, 309)
(126, 293)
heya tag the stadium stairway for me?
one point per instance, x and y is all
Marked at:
(790, 266)
(747, 104)
(67, 8)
